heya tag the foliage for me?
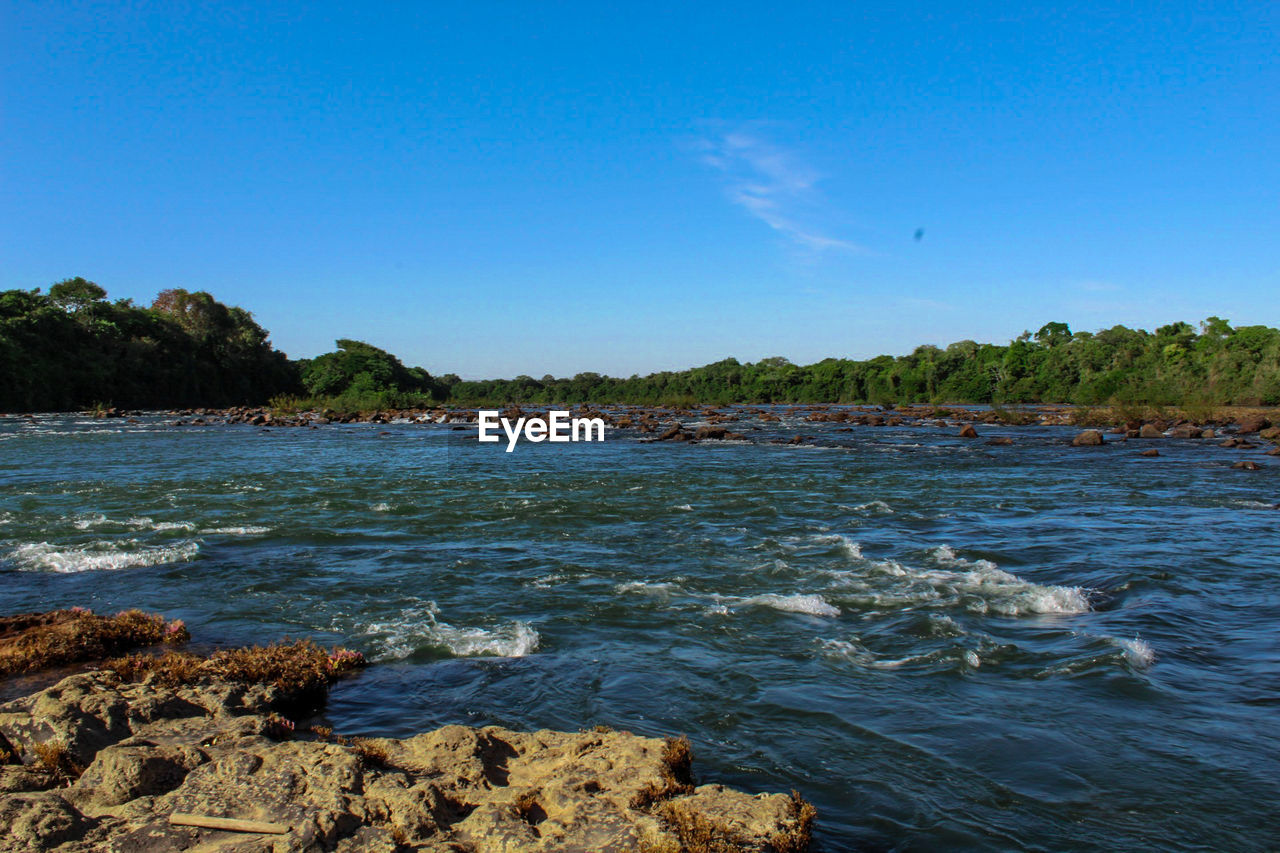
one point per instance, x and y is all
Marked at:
(360, 371)
(71, 348)
(1118, 366)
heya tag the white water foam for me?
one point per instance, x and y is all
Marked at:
(247, 530)
(977, 585)
(419, 627)
(870, 508)
(813, 605)
(1137, 652)
(100, 556)
(653, 589)
(847, 546)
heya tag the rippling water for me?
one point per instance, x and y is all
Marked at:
(944, 645)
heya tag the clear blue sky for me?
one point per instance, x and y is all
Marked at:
(503, 188)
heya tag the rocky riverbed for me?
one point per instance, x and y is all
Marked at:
(98, 762)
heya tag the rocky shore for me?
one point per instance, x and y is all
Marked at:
(1239, 428)
(135, 755)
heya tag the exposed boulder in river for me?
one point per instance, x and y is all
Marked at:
(1088, 438)
(1252, 423)
(1150, 431)
(967, 431)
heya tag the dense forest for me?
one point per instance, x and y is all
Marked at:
(1176, 365)
(71, 348)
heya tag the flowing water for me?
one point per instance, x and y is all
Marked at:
(942, 644)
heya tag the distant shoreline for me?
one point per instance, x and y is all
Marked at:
(720, 422)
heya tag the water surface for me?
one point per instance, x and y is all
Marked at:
(943, 644)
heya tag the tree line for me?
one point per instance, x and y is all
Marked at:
(72, 348)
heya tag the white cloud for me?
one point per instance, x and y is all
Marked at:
(774, 186)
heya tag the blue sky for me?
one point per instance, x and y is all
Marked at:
(503, 188)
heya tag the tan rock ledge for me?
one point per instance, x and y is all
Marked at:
(97, 764)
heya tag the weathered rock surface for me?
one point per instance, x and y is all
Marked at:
(1088, 438)
(212, 749)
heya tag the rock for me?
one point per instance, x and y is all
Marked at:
(39, 821)
(1208, 434)
(1003, 441)
(1150, 452)
(967, 431)
(214, 749)
(713, 432)
(1088, 438)
(1246, 465)
(1270, 434)
(1149, 431)
(674, 434)
(1275, 451)
(1252, 423)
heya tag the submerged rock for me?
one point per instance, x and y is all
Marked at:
(129, 755)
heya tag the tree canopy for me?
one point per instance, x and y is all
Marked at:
(72, 347)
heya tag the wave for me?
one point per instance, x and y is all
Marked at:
(100, 556)
(247, 530)
(844, 544)
(855, 652)
(420, 628)
(813, 604)
(876, 507)
(976, 585)
(1137, 652)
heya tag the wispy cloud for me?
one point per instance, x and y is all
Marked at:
(773, 185)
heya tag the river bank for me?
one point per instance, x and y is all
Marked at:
(118, 757)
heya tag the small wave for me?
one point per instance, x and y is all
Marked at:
(1137, 652)
(100, 556)
(870, 508)
(655, 589)
(684, 507)
(813, 605)
(420, 627)
(845, 545)
(247, 530)
(1008, 594)
(1247, 503)
(976, 585)
(137, 522)
(171, 525)
(381, 507)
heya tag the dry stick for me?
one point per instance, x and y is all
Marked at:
(228, 823)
